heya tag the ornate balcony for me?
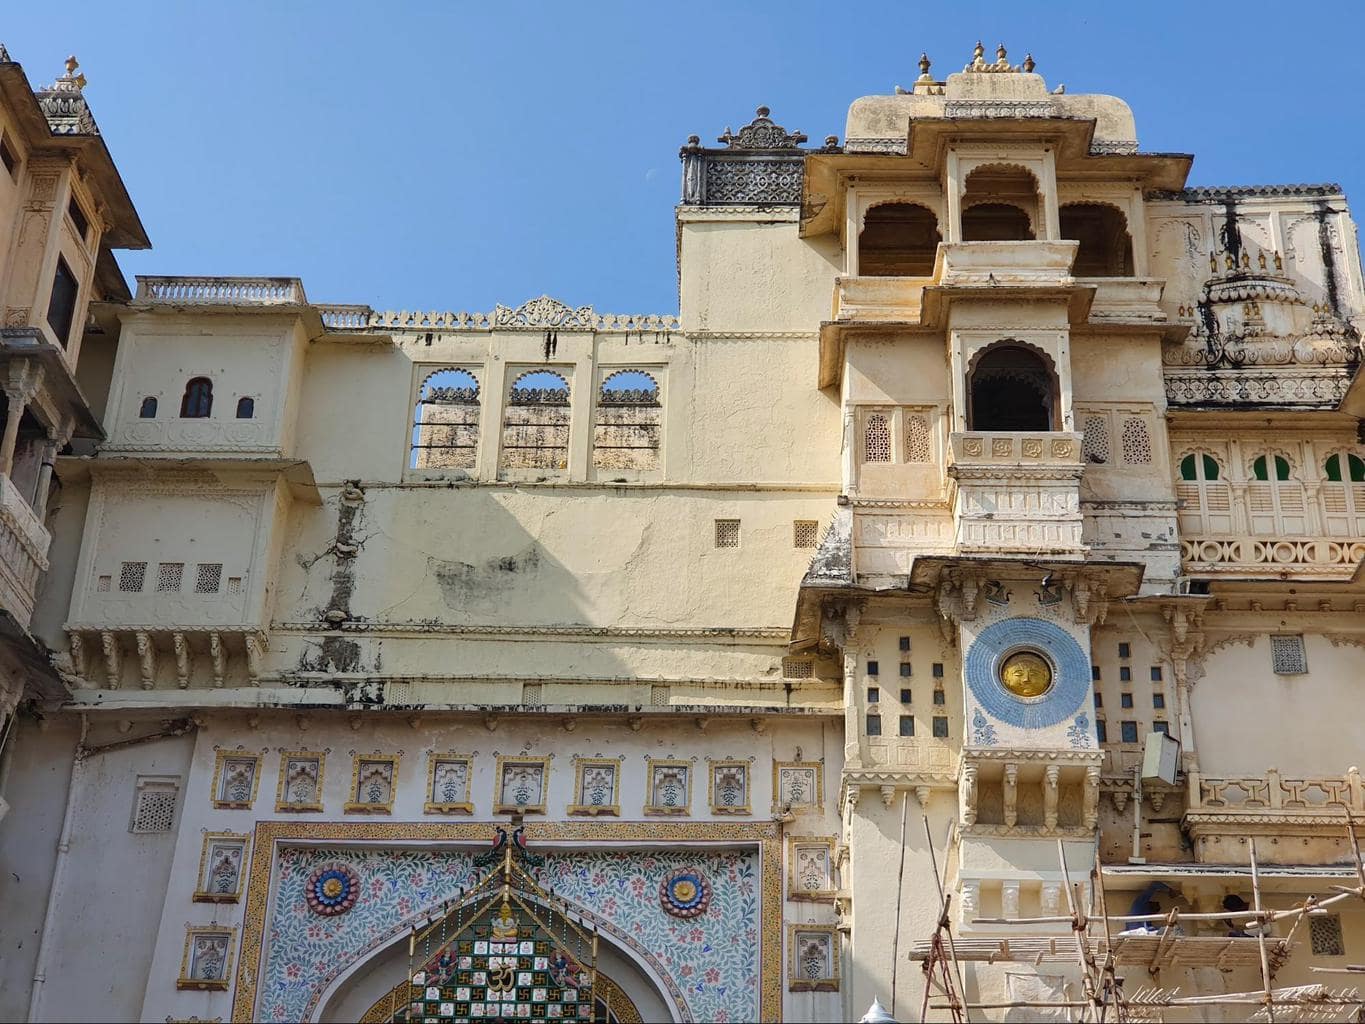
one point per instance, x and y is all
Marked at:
(23, 552)
(1304, 816)
(1316, 557)
(1016, 491)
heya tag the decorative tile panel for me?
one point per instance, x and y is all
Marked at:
(374, 778)
(729, 787)
(798, 785)
(709, 963)
(669, 788)
(236, 777)
(207, 961)
(597, 785)
(221, 868)
(300, 786)
(521, 784)
(448, 778)
(810, 868)
(812, 958)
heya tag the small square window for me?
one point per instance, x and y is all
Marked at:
(1325, 934)
(874, 694)
(873, 669)
(1125, 700)
(805, 533)
(1156, 673)
(906, 695)
(169, 576)
(1095, 673)
(941, 727)
(234, 585)
(1101, 733)
(131, 577)
(1287, 655)
(905, 643)
(1125, 674)
(874, 725)
(907, 725)
(937, 670)
(727, 533)
(798, 668)
(1158, 700)
(1128, 732)
(1099, 700)
(104, 584)
(940, 698)
(1125, 651)
(1161, 727)
(905, 668)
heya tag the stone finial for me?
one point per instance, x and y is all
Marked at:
(1000, 54)
(979, 54)
(1028, 64)
(77, 81)
(924, 65)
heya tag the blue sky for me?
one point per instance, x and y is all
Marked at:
(452, 155)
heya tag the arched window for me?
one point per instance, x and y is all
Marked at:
(1343, 495)
(246, 407)
(625, 432)
(198, 400)
(1011, 388)
(1205, 500)
(1105, 250)
(999, 204)
(877, 438)
(535, 425)
(445, 427)
(147, 410)
(898, 240)
(1261, 470)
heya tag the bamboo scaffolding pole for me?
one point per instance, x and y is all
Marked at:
(1266, 979)
(944, 926)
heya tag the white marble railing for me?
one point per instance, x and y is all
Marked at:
(222, 291)
(1272, 792)
(23, 551)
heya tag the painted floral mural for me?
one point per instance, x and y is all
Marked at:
(710, 962)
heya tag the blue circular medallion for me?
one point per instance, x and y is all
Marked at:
(685, 893)
(1070, 685)
(332, 889)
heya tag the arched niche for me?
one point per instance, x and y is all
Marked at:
(1012, 386)
(634, 991)
(898, 239)
(1001, 203)
(1105, 247)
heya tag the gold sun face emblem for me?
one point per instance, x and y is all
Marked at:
(1026, 674)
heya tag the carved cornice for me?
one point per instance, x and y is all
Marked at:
(1076, 757)
(558, 632)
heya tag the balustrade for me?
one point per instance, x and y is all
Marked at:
(1272, 793)
(23, 551)
(222, 291)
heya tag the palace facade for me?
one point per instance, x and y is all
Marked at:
(546, 663)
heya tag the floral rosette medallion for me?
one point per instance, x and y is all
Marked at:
(332, 889)
(685, 893)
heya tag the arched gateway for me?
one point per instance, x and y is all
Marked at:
(506, 949)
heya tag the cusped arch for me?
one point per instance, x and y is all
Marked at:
(542, 387)
(1105, 246)
(1349, 464)
(450, 384)
(629, 384)
(1199, 453)
(1012, 385)
(898, 238)
(1270, 463)
(330, 1001)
